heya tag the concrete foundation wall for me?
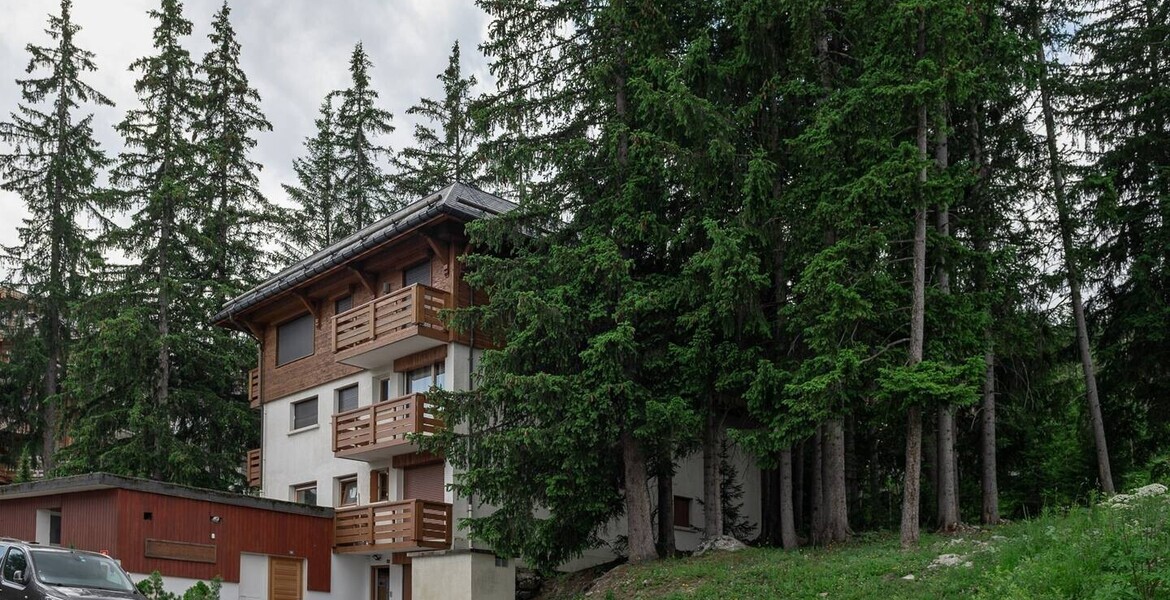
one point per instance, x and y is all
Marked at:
(462, 575)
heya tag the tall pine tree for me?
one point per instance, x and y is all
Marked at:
(363, 184)
(319, 217)
(53, 165)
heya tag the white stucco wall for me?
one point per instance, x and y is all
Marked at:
(253, 577)
(461, 574)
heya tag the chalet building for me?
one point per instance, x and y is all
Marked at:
(350, 341)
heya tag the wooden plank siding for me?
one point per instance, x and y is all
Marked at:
(241, 529)
(89, 520)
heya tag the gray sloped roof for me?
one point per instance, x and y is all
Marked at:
(458, 200)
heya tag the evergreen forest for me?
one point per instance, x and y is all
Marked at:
(912, 257)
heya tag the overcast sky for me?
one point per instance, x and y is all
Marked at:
(294, 52)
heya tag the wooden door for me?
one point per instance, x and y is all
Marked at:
(406, 593)
(284, 578)
(381, 576)
(423, 483)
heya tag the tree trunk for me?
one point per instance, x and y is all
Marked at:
(666, 541)
(1072, 274)
(817, 496)
(948, 495)
(639, 529)
(913, 462)
(833, 478)
(798, 486)
(712, 480)
(787, 525)
(989, 482)
(852, 468)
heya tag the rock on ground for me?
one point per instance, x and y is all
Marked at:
(722, 543)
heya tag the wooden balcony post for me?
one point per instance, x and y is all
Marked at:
(418, 312)
(417, 521)
(373, 538)
(416, 406)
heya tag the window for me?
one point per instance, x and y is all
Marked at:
(380, 485)
(420, 273)
(342, 304)
(294, 339)
(384, 390)
(347, 398)
(347, 491)
(682, 511)
(306, 493)
(304, 413)
(420, 380)
(15, 561)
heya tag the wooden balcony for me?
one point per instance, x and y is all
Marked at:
(252, 468)
(391, 326)
(382, 430)
(254, 388)
(403, 526)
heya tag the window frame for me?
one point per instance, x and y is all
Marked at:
(424, 263)
(436, 368)
(343, 483)
(337, 409)
(312, 339)
(337, 309)
(293, 414)
(296, 490)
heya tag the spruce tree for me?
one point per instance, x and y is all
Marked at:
(318, 218)
(447, 148)
(149, 369)
(53, 165)
(362, 180)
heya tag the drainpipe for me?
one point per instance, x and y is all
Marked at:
(470, 372)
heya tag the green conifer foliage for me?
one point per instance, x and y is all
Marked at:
(319, 216)
(53, 165)
(447, 148)
(363, 183)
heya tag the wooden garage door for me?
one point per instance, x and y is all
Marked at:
(284, 578)
(423, 483)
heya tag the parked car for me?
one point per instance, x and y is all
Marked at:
(35, 572)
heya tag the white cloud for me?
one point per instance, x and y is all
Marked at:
(294, 52)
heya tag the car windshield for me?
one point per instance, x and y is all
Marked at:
(75, 569)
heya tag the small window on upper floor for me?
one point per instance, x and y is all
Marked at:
(420, 273)
(420, 380)
(342, 304)
(385, 387)
(347, 398)
(304, 413)
(347, 491)
(305, 493)
(294, 339)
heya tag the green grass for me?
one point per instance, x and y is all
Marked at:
(1080, 553)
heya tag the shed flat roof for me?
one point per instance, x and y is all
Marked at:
(106, 481)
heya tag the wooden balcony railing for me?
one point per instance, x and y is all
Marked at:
(412, 310)
(252, 468)
(404, 526)
(379, 429)
(254, 388)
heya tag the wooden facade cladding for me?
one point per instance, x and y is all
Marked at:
(383, 429)
(385, 527)
(253, 467)
(254, 387)
(131, 525)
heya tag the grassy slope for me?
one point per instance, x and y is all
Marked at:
(1082, 553)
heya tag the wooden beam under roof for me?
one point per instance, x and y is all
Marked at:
(368, 279)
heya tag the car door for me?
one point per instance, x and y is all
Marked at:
(14, 561)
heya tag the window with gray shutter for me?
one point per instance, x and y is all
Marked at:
(420, 273)
(347, 398)
(294, 339)
(342, 304)
(304, 413)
